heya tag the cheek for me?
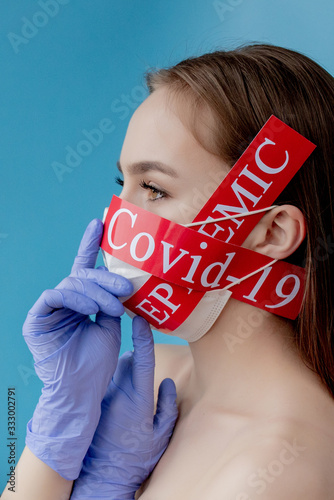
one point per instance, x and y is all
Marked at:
(186, 208)
(194, 200)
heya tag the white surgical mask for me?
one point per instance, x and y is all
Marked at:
(203, 316)
(200, 319)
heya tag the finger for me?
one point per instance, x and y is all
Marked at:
(57, 299)
(113, 283)
(107, 303)
(166, 412)
(89, 246)
(143, 358)
(124, 368)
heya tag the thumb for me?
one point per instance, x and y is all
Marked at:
(166, 414)
(89, 246)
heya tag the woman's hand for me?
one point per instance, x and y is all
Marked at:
(129, 439)
(74, 356)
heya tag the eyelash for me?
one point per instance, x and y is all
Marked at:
(119, 181)
(144, 185)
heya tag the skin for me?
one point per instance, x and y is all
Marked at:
(254, 421)
(37, 481)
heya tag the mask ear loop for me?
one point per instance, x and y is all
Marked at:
(201, 223)
(236, 282)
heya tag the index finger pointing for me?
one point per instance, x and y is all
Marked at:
(89, 246)
(143, 358)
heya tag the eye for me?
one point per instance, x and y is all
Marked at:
(156, 193)
(119, 181)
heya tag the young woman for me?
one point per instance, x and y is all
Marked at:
(256, 418)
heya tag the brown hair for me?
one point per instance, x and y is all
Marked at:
(242, 88)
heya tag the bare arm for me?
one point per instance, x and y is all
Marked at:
(34, 480)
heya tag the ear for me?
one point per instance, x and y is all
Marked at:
(279, 233)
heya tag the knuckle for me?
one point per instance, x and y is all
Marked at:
(73, 284)
(81, 273)
(46, 293)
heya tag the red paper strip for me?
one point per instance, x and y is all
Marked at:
(276, 289)
(255, 181)
(164, 305)
(172, 252)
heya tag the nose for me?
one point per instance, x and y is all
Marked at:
(127, 195)
(121, 195)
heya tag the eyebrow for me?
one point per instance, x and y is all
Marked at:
(141, 167)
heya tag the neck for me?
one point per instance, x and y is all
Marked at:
(245, 361)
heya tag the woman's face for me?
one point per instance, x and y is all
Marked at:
(165, 170)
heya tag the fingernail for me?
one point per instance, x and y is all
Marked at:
(142, 326)
(140, 319)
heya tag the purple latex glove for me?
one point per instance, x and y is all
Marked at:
(129, 439)
(74, 356)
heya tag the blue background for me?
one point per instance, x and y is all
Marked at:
(84, 63)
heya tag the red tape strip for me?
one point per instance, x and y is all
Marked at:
(172, 252)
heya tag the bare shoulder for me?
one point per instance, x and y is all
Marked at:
(172, 361)
(284, 461)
